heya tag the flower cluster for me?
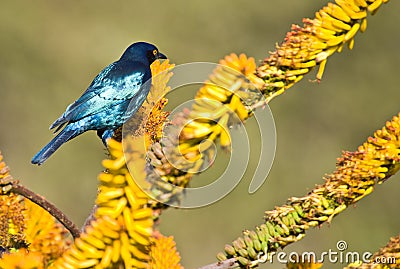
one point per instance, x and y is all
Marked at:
(119, 233)
(356, 175)
(12, 210)
(22, 259)
(305, 47)
(222, 101)
(29, 236)
(163, 254)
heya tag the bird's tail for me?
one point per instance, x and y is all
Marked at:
(66, 134)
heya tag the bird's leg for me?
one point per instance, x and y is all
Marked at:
(105, 135)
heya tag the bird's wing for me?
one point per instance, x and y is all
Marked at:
(116, 83)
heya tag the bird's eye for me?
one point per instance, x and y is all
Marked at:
(155, 52)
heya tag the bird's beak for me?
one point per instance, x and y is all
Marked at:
(161, 56)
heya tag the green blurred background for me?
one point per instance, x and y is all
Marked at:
(51, 50)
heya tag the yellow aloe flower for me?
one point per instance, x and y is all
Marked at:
(29, 235)
(355, 177)
(164, 254)
(309, 46)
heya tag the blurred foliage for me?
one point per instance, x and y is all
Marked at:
(51, 50)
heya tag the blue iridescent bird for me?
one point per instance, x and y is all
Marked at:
(115, 94)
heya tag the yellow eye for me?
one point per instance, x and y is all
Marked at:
(155, 52)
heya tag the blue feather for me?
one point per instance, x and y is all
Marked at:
(114, 95)
(65, 135)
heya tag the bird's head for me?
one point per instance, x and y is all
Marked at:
(141, 51)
